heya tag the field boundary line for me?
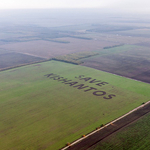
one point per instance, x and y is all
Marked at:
(80, 139)
(115, 74)
(25, 64)
(13, 51)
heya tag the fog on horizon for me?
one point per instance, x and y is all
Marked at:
(68, 16)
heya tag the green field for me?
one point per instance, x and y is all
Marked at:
(40, 108)
(134, 137)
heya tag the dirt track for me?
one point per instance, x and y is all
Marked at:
(111, 128)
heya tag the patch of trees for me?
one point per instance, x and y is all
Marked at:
(67, 61)
(79, 37)
(74, 58)
(107, 47)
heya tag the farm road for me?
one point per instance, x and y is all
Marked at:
(98, 135)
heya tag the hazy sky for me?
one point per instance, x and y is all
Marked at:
(143, 5)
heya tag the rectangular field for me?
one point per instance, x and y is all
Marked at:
(128, 60)
(11, 59)
(49, 49)
(46, 105)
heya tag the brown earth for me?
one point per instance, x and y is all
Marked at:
(133, 64)
(48, 49)
(9, 60)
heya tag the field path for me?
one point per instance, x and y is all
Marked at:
(99, 134)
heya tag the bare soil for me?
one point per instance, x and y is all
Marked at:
(48, 49)
(133, 64)
(15, 59)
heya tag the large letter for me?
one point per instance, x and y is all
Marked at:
(65, 80)
(48, 75)
(94, 80)
(86, 79)
(102, 83)
(91, 88)
(60, 78)
(72, 83)
(101, 93)
(80, 76)
(110, 96)
(55, 77)
(81, 86)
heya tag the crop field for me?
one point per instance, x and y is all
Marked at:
(49, 42)
(136, 33)
(10, 59)
(49, 49)
(127, 60)
(136, 136)
(74, 58)
(46, 105)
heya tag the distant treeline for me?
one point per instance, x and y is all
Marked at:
(57, 41)
(67, 61)
(107, 47)
(75, 57)
(80, 37)
(70, 58)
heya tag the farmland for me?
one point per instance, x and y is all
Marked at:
(10, 59)
(46, 105)
(49, 42)
(128, 60)
(74, 58)
(135, 136)
(99, 134)
(49, 49)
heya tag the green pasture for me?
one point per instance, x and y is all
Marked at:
(134, 137)
(39, 112)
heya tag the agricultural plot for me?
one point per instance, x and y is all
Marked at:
(49, 49)
(10, 59)
(40, 41)
(74, 58)
(106, 28)
(129, 61)
(46, 105)
(49, 42)
(135, 136)
(144, 32)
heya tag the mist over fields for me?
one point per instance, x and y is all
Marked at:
(60, 17)
(67, 72)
